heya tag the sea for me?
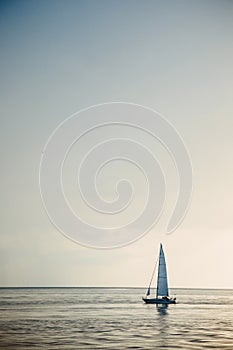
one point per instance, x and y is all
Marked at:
(114, 318)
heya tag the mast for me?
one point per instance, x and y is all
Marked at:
(162, 285)
(158, 271)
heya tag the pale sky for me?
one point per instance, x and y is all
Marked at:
(58, 57)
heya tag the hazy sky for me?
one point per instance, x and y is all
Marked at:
(173, 56)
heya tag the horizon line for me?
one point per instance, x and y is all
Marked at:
(110, 287)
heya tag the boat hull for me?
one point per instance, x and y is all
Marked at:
(159, 301)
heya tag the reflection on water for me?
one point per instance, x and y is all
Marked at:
(98, 318)
(163, 326)
(162, 309)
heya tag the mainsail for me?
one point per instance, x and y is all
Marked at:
(162, 287)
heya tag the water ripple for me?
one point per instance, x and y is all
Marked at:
(113, 319)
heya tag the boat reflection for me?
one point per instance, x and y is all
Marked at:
(162, 309)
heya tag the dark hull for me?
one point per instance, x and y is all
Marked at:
(158, 301)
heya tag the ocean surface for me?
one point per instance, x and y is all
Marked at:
(114, 318)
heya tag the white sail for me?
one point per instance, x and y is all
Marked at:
(162, 285)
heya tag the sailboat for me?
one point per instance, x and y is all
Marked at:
(162, 295)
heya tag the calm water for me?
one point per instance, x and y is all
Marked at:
(108, 318)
